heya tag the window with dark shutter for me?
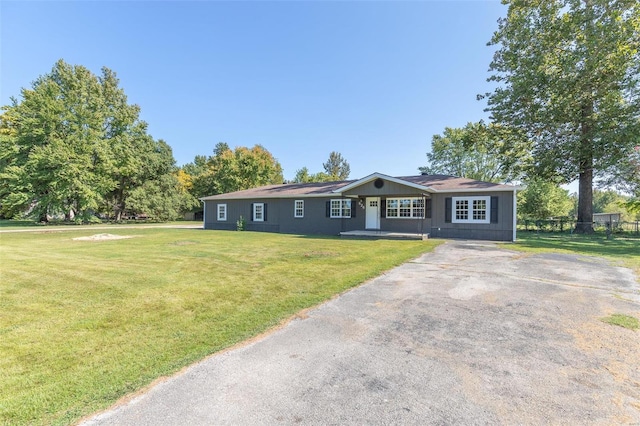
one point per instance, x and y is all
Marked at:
(447, 210)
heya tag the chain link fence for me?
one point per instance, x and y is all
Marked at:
(568, 225)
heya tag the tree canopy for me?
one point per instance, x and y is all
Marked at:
(472, 152)
(568, 78)
(335, 168)
(542, 199)
(229, 170)
(73, 145)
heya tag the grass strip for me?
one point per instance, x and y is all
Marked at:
(622, 320)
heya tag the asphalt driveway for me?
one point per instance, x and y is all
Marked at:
(470, 334)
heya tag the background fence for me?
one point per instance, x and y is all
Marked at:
(567, 225)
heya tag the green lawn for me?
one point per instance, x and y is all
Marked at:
(623, 251)
(83, 323)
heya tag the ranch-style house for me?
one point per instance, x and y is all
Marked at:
(424, 205)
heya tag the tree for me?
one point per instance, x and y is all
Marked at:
(543, 200)
(163, 198)
(336, 167)
(231, 170)
(73, 145)
(472, 152)
(303, 176)
(567, 74)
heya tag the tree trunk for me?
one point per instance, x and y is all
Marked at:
(585, 202)
(585, 180)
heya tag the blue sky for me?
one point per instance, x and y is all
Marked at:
(371, 80)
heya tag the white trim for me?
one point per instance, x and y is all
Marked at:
(377, 175)
(411, 207)
(253, 216)
(342, 202)
(470, 200)
(295, 209)
(372, 213)
(204, 214)
(223, 217)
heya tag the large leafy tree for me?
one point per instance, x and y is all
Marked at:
(474, 151)
(568, 75)
(73, 145)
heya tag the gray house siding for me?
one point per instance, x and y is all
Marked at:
(280, 216)
(502, 230)
(279, 202)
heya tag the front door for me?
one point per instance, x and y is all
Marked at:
(373, 213)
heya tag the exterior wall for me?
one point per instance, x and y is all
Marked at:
(392, 190)
(280, 216)
(500, 231)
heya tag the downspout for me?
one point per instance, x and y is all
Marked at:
(515, 214)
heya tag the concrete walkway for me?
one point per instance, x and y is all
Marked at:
(471, 334)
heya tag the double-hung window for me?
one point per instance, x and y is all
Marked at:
(471, 209)
(222, 212)
(407, 208)
(340, 208)
(298, 208)
(258, 212)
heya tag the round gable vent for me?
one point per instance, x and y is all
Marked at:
(379, 183)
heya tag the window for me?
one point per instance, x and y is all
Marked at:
(258, 212)
(298, 208)
(222, 212)
(471, 209)
(406, 208)
(340, 208)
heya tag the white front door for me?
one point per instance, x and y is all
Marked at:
(373, 213)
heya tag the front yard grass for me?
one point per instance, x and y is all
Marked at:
(622, 251)
(83, 323)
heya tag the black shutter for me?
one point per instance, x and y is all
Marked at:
(427, 208)
(494, 209)
(383, 208)
(264, 212)
(447, 210)
(251, 212)
(328, 209)
(354, 204)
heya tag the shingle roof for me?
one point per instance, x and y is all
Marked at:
(431, 183)
(284, 190)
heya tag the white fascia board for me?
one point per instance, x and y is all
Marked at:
(376, 175)
(457, 191)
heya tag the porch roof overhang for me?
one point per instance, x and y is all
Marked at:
(377, 175)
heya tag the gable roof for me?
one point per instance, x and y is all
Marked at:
(425, 183)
